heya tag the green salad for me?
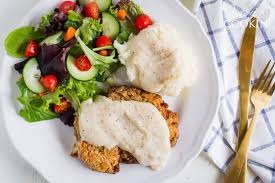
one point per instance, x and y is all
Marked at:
(69, 56)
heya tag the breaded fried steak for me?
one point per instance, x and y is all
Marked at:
(104, 160)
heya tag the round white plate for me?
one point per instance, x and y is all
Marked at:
(47, 145)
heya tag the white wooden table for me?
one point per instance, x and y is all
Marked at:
(13, 169)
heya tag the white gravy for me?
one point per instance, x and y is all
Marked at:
(136, 127)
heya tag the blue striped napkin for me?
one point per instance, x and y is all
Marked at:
(225, 22)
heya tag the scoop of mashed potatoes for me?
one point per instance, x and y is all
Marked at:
(155, 60)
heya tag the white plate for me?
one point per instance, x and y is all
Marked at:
(47, 145)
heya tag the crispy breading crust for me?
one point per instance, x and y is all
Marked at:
(96, 158)
(99, 158)
(107, 161)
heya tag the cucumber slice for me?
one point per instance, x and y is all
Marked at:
(32, 75)
(54, 39)
(103, 4)
(110, 26)
(78, 74)
(83, 2)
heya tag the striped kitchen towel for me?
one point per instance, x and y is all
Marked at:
(225, 22)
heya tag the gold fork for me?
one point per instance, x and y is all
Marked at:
(261, 96)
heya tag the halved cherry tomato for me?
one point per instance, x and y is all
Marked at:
(121, 14)
(83, 63)
(103, 41)
(103, 52)
(65, 106)
(49, 82)
(32, 49)
(142, 22)
(92, 10)
(66, 6)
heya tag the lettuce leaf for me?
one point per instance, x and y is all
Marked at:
(35, 108)
(74, 16)
(51, 59)
(74, 20)
(68, 117)
(133, 10)
(90, 30)
(93, 56)
(57, 21)
(83, 89)
(102, 63)
(113, 10)
(75, 91)
(46, 21)
(127, 25)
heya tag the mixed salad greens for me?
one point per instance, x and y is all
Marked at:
(69, 56)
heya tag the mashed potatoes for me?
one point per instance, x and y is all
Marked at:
(155, 61)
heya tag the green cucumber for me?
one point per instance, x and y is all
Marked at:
(103, 4)
(32, 75)
(78, 74)
(84, 2)
(54, 39)
(110, 26)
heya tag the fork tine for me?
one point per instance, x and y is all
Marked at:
(269, 83)
(266, 79)
(272, 90)
(256, 86)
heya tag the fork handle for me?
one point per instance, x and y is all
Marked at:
(241, 157)
(242, 178)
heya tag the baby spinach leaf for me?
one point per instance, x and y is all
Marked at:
(17, 40)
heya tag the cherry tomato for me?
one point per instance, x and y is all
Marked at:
(65, 106)
(142, 22)
(66, 6)
(92, 10)
(49, 82)
(83, 63)
(103, 52)
(32, 49)
(103, 41)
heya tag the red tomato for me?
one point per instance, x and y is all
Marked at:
(50, 82)
(92, 10)
(103, 52)
(103, 41)
(67, 6)
(142, 22)
(65, 106)
(32, 49)
(83, 63)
